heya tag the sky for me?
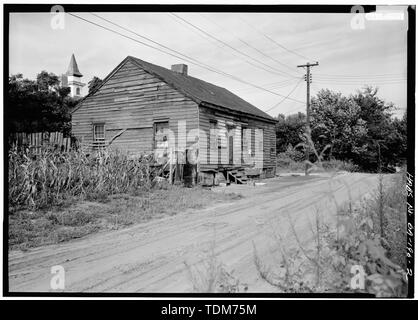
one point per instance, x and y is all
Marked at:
(254, 55)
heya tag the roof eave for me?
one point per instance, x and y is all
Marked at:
(225, 109)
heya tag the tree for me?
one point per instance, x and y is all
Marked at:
(41, 105)
(47, 81)
(336, 121)
(289, 130)
(359, 128)
(386, 138)
(94, 84)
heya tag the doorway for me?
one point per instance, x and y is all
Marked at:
(231, 131)
(231, 148)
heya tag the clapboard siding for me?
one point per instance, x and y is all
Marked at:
(134, 141)
(266, 142)
(133, 100)
(269, 141)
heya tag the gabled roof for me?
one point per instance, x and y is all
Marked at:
(194, 88)
(73, 68)
(202, 91)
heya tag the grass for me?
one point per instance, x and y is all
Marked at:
(212, 276)
(388, 212)
(76, 219)
(289, 165)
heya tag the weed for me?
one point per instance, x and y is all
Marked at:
(210, 276)
(371, 235)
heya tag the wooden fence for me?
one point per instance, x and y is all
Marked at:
(37, 141)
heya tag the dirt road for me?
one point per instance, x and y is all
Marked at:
(151, 257)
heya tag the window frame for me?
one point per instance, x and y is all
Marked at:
(99, 141)
(156, 122)
(214, 145)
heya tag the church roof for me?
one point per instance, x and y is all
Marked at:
(73, 68)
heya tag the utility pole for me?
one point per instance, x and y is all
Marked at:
(308, 79)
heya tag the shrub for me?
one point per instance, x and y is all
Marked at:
(339, 165)
(291, 159)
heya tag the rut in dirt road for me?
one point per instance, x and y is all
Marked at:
(151, 257)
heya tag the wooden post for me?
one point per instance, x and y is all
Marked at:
(308, 80)
(60, 140)
(171, 166)
(38, 142)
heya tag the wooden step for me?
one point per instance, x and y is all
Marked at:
(238, 176)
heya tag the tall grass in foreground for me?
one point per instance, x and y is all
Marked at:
(369, 236)
(212, 276)
(387, 210)
(50, 177)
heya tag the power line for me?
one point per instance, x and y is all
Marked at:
(206, 38)
(277, 104)
(316, 87)
(273, 85)
(360, 82)
(293, 111)
(251, 46)
(142, 36)
(328, 75)
(197, 62)
(361, 79)
(178, 57)
(274, 41)
(229, 46)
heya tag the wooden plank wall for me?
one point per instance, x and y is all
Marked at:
(39, 140)
(133, 100)
(268, 138)
(269, 141)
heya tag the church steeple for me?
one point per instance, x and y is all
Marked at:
(74, 78)
(73, 68)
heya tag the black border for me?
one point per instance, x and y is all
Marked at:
(14, 8)
(411, 64)
(238, 8)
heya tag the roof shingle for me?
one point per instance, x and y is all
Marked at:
(202, 91)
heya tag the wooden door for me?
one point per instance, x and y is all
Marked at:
(231, 148)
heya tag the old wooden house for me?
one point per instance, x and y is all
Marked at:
(141, 106)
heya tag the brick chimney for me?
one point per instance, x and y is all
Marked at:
(180, 68)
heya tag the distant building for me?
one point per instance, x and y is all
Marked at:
(72, 79)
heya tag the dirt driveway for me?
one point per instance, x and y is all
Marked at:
(151, 257)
